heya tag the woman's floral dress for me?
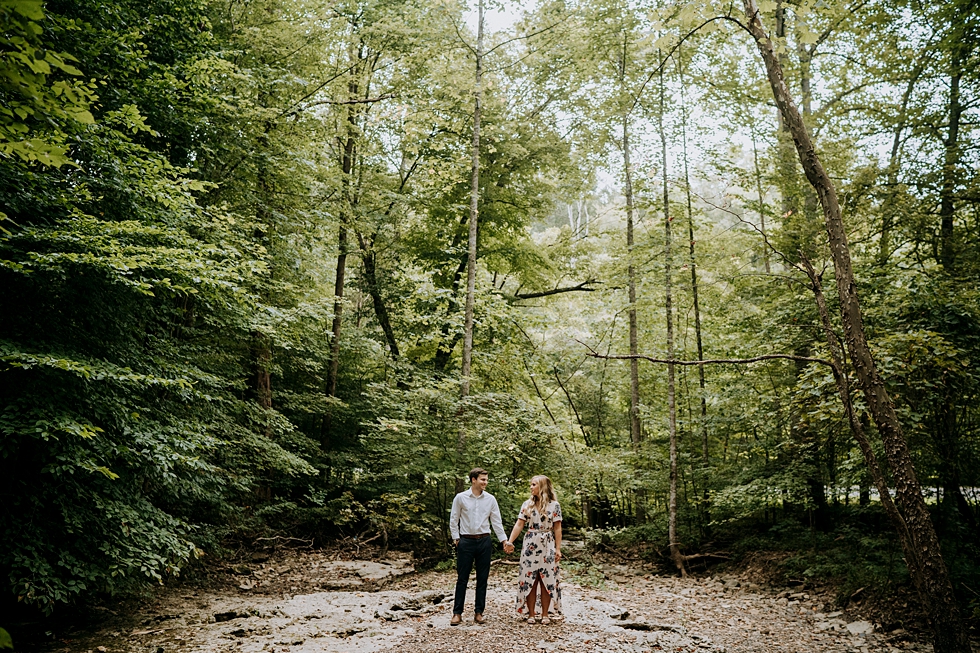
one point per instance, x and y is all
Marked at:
(538, 557)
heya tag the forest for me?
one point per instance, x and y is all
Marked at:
(292, 267)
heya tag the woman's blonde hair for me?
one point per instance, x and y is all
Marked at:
(546, 492)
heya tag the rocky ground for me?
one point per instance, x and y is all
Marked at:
(306, 602)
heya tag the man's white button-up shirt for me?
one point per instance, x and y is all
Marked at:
(474, 515)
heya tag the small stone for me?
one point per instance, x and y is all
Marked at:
(860, 628)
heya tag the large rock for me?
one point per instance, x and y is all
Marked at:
(364, 575)
(415, 605)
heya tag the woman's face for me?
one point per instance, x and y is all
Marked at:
(535, 488)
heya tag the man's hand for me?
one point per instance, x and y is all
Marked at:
(508, 547)
(456, 543)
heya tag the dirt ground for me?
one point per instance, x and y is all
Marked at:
(323, 601)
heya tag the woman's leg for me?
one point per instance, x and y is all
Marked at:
(532, 597)
(545, 599)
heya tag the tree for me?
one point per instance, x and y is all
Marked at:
(925, 560)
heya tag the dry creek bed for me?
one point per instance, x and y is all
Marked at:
(300, 602)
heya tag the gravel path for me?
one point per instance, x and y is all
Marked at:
(627, 613)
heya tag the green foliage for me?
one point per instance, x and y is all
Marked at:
(178, 183)
(44, 101)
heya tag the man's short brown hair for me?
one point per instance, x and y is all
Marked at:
(477, 472)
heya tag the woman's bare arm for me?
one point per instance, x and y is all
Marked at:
(518, 527)
(557, 529)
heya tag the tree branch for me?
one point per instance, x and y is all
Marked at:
(731, 361)
(582, 287)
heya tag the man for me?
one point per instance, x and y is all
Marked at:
(474, 512)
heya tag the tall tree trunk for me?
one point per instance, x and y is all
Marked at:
(369, 258)
(935, 588)
(951, 158)
(692, 262)
(675, 549)
(348, 156)
(887, 213)
(857, 427)
(762, 202)
(338, 311)
(785, 156)
(465, 368)
(636, 434)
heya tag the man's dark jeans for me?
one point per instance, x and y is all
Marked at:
(468, 553)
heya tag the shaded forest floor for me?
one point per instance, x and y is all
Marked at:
(323, 601)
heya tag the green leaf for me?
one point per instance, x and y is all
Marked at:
(32, 9)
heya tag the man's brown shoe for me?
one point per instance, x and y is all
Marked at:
(456, 620)
(478, 618)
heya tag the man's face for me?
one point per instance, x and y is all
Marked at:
(481, 482)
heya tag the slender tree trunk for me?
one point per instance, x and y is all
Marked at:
(785, 157)
(935, 588)
(635, 427)
(448, 340)
(636, 432)
(805, 55)
(338, 311)
(692, 261)
(888, 212)
(369, 259)
(347, 158)
(951, 158)
(762, 203)
(465, 369)
(262, 343)
(705, 506)
(675, 550)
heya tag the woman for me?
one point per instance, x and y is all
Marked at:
(538, 582)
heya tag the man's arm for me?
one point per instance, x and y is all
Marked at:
(496, 523)
(454, 519)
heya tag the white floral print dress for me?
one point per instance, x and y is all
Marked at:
(538, 557)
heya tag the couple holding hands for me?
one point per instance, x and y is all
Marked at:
(474, 512)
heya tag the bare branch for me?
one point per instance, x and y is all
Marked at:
(367, 100)
(729, 361)
(582, 287)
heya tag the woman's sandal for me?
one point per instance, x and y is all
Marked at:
(532, 619)
(545, 621)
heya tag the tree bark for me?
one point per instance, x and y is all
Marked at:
(369, 259)
(465, 368)
(857, 428)
(347, 158)
(635, 434)
(935, 588)
(692, 261)
(705, 505)
(888, 215)
(675, 549)
(951, 158)
(762, 205)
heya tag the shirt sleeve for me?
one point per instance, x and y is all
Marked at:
(454, 519)
(496, 523)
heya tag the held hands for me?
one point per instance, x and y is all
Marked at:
(508, 547)
(558, 556)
